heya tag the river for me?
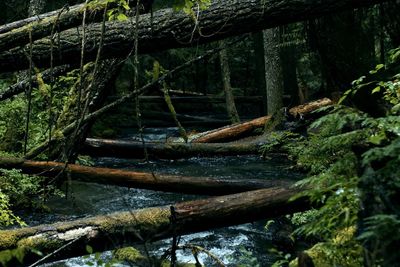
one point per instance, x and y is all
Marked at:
(242, 245)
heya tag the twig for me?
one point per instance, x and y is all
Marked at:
(54, 252)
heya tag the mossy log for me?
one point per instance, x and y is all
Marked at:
(145, 180)
(166, 29)
(172, 150)
(18, 33)
(149, 224)
(240, 130)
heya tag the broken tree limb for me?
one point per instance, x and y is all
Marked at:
(168, 29)
(149, 224)
(132, 149)
(143, 180)
(236, 131)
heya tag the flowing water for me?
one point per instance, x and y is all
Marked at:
(242, 245)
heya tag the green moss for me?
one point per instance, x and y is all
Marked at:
(147, 220)
(40, 243)
(7, 240)
(128, 254)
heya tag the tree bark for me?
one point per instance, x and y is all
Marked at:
(234, 132)
(168, 29)
(139, 226)
(273, 70)
(144, 180)
(94, 94)
(226, 81)
(131, 149)
(41, 25)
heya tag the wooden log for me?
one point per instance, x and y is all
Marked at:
(232, 132)
(305, 109)
(149, 224)
(167, 29)
(133, 149)
(239, 130)
(18, 33)
(144, 180)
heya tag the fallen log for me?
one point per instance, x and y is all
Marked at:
(304, 110)
(168, 29)
(134, 149)
(231, 132)
(239, 130)
(139, 226)
(144, 180)
(95, 114)
(18, 33)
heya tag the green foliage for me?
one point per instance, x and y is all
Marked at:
(12, 124)
(388, 86)
(117, 9)
(276, 139)
(188, 5)
(19, 190)
(353, 162)
(246, 258)
(120, 11)
(7, 256)
(301, 218)
(6, 215)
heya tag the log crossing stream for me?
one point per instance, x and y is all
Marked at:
(245, 244)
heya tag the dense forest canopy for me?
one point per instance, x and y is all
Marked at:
(315, 81)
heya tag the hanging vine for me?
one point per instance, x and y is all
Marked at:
(28, 95)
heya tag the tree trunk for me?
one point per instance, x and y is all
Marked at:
(131, 149)
(273, 70)
(144, 180)
(94, 93)
(226, 81)
(259, 75)
(159, 32)
(149, 224)
(234, 132)
(288, 56)
(41, 25)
